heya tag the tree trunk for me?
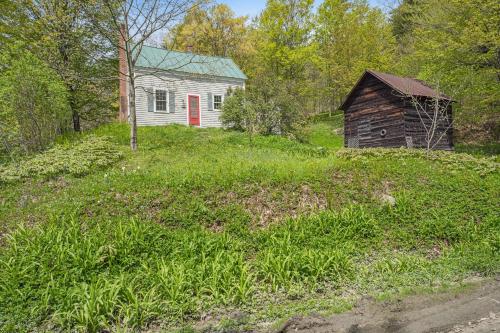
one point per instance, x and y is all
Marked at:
(133, 118)
(76, 121)
(74, 109)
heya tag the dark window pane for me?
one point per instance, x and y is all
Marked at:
(217, 102)
(161, 100)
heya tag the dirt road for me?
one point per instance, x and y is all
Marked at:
(475, 310)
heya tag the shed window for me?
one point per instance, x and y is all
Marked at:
(353, 142)
(217, 102)
(160, 100)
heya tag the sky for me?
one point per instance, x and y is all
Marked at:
(254, 7)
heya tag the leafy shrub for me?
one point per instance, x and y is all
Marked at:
(79, 159)
(451, 160)
(34, 106)
(252, 111)
(234, 115)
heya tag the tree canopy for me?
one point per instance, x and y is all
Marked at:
(455, 44)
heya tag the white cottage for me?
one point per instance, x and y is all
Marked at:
(180, 87)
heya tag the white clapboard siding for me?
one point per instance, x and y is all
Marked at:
(182, 85)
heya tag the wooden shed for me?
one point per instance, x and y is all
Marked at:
(384, 110)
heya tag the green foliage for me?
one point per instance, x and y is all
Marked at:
(33, 103)
(212, 31)
(237, 111)
(62, 35)
(181, 228)
(454, 45)
(285, 27)
(78, 159)
(248, 110)
(351, 37)
(448, 160)
(282, 63)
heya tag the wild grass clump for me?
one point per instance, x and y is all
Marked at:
(450, 160)
(79, 159)
(95, 276)
(284, 266)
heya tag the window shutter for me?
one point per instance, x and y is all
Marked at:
(171, 101)
(210, 102)
(151, 99)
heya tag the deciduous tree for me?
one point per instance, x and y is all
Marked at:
(58, 32)
(34, 107)
(132, 24)
(351, 37)
(457, 43)
(215, 30)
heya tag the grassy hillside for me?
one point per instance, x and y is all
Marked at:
(199, 228)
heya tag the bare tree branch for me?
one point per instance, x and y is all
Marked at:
(132, 23)
(434, 114)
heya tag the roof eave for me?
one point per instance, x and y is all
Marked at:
(342, 106)
(443, 97)
(191, 74)
(374, 74)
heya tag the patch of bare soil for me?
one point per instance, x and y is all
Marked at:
(268, 205)
(473, 311)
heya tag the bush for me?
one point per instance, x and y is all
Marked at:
(255, 112)
(91, 153)
(34, 106)
(233, 111)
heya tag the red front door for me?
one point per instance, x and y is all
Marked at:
(194, 110)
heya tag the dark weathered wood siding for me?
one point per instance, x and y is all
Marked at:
(415, 129)
(375, 115)
(374, 107)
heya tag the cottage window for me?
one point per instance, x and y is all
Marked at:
(160, 100)
(217, 102)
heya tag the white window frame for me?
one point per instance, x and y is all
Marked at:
(221, 102)
(166, 100)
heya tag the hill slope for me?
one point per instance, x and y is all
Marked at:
(198, 225)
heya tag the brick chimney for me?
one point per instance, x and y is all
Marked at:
(122, 60)
(189, 48)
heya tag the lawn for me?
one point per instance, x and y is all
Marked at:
(200, 228)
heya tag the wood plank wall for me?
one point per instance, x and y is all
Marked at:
(415, 129)
(375, 106)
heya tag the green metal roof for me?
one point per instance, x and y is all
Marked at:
(153, 57)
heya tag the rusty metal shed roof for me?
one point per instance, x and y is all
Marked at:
(404, 85)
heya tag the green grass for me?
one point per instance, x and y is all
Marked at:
(325, 131)
(490, 149)
(199, 222)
